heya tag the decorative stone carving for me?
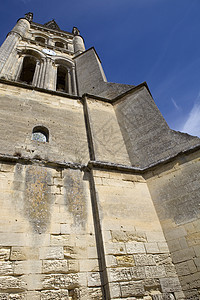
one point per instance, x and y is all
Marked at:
(52, 25)
(75, 31)
(29, 16)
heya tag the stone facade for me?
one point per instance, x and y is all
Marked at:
(99, 197)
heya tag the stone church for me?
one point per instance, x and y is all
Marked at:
(99, 197)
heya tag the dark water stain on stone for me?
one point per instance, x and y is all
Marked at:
(18, 178)
(37, 200)
(75, 196)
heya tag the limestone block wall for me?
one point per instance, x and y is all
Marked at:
(70, 228)
(23, 109)
(107, 139)
(47, 241)
(175, 192)
(138, 261)
(90, 74)
(146, 134)
(91, 78)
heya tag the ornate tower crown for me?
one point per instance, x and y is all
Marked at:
(41, 55)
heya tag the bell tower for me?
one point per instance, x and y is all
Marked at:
(41, 55)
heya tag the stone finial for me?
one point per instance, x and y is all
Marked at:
(29, 16)
(75, 31)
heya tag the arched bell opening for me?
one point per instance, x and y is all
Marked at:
(62, 84)
(59, 44)
(28, 69)
(40, 40)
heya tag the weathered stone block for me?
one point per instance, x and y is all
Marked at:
(51, 253)
(183, 242)
(192, 266)
(91, 251)
(33, 281)
(10, 283)
(73, 266)
(155, 271)
(191, 295)
(54, 228)
(27, 267)
(197, 250)
(179, 295)
(170, 285)
(163, 259)
(144, 260)
(7, 167)
(126, 274)
(156, 236)
(133, 248)
(21, 296)
(13, 239)
(70, 252)
(57, 295)
(152, 248)
(170, 271)
(65, 228)
(32, 295)
(191, 281)
(94, 279)
(151, 284)
(6, 268)
(115, 291)
(125, 260)
(63, 281)
(183, 255)
(56, 190)
(4, 253)
(164, 296)
(115, 248)
(163, 247)
(95, 294)
(4, 296)
(23, 253)
(119, 236)
(190, 228)
(183, 269)
(91, 265)
(128, 236)
(64, 240)
(193, 239)
(132, 289)
(197, 263)
(55, 266)
(58, 181)
(174, 245)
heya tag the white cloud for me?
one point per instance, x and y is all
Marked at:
(175, 104)
(192, 124)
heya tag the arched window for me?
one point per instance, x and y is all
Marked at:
(28, 69)
(62, 79)
(40, 134)
(40, 39)
(59, 44)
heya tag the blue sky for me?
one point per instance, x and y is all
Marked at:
(156, 41)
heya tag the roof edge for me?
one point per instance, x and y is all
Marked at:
(91, 48)
(135, 88)
(118, 98)
(49, 29)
